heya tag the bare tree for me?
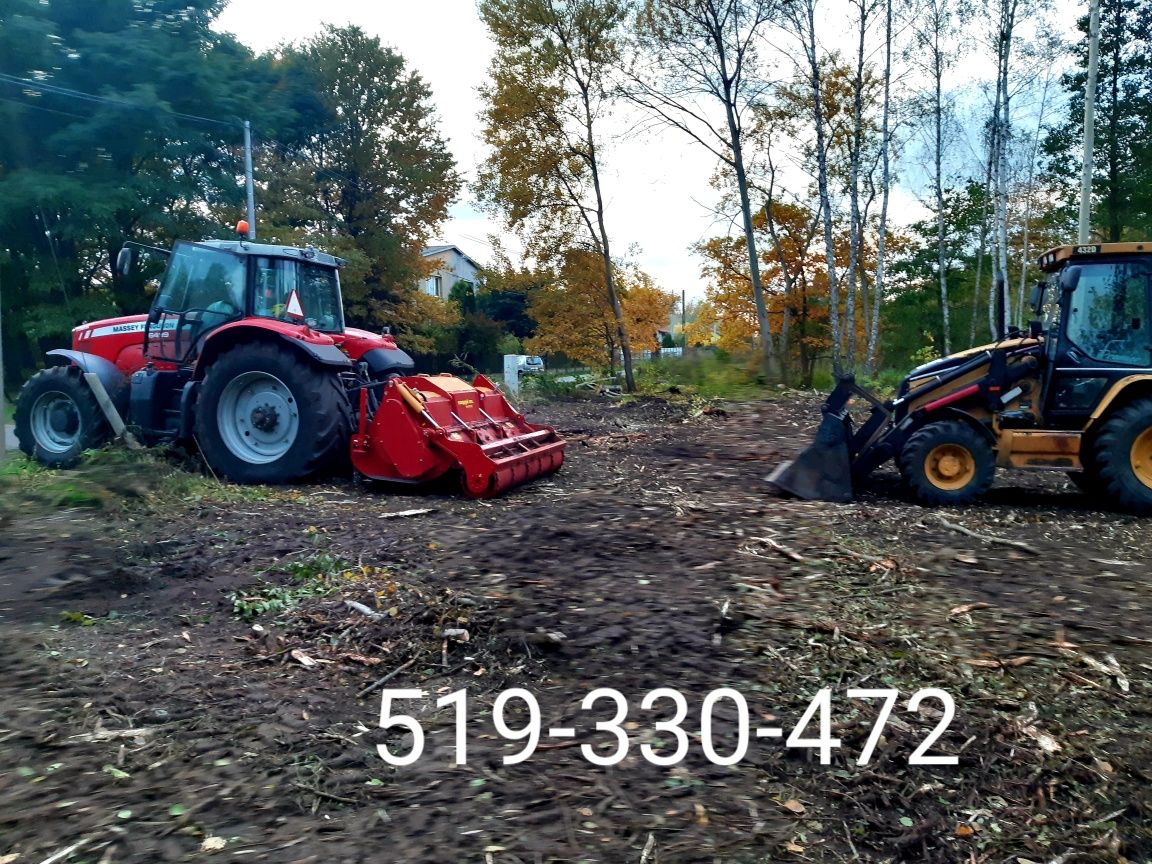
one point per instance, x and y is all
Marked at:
(694, 56)
(799, 17)
(885, 179)
(934, 44)
(864, 10)
(1006, 18)
(1025, 251)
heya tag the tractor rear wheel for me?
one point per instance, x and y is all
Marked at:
(947, 463)
(1123, 452)
(265, 415)
(58, 418)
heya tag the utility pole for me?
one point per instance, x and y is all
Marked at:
(248, 186)
(1089, 121)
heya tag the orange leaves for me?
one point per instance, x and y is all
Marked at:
(574, 316)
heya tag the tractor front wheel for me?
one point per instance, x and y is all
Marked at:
(947, 463)
(1123, 453)
(58, 418)
(265, 415)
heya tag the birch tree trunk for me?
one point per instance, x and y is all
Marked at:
(855, 229)
(804, 21)
(885, 175)
(938, 178)
(1024, 250)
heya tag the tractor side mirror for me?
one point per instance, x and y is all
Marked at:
(1036, 298)
(124, 261)
(154, 315)
(1035, 329)
(1070, 278)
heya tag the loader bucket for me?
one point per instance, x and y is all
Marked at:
(823, 470)
(428, 425)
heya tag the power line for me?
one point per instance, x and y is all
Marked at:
(57, 90)
(24, 104)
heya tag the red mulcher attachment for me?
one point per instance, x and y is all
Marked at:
(427, 425)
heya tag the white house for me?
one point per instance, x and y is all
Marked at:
(450, 265)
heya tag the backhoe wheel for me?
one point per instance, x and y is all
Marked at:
(947, 462)
(265, 415)
(58, 418)
(1123, 453)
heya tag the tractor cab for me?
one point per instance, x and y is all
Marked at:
(1095, 306)
(216, 282)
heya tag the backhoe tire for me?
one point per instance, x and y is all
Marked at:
(1123, 452)
(58, 418)
(947, 463)
(267, 415)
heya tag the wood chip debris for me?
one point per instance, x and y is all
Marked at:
(397, 514)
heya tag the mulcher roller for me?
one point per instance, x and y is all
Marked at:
(424, 426)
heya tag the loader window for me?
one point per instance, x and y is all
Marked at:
(1108, 314)
(317, 287)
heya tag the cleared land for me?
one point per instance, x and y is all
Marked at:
(152, 722)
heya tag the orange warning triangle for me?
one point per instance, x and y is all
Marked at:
(293, 307)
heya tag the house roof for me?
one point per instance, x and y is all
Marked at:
(428, 251)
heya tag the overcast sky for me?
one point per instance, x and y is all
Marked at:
(656, 184)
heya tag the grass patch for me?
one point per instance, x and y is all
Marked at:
(114, 477)
(710, 375)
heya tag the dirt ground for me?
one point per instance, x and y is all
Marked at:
(149, 711)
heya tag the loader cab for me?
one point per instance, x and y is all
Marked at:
(1099, 331)
(209, 284)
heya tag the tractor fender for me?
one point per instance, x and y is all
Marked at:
(325, 355)
(112, 378)
(381, 361)
(320, 353)
(949, 413)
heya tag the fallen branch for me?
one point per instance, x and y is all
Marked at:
(112, 734)
(649, 848)
(320, 793)
(419, 511)
(381, 682)
(66, 851)
(987, 538)
(783, 550)
(364, 610)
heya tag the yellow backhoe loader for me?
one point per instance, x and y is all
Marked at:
(1073, 393)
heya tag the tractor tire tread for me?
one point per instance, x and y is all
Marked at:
(923, 440)
(93, 425)
(325, 419)
(1112, 456)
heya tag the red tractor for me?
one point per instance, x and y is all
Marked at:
(245, 353)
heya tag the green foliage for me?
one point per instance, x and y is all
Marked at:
(667, 340)
(315, 576)
(549, 386)
(154, 153)
(509, 344)
(78, 176)
(363, 169)
(707, 374)
(1122, 157)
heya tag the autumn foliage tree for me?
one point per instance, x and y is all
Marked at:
(573, 315)
(544, 108)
